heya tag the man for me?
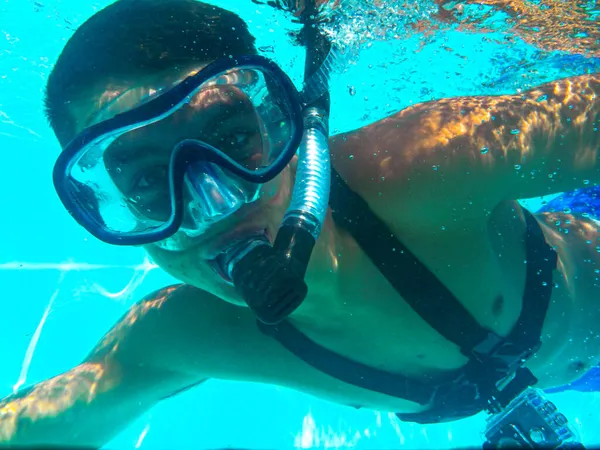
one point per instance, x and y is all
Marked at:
(442, 177)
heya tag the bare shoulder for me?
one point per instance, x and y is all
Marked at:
(573, 316)
(566, 230)
(576, 238)
(184, 329)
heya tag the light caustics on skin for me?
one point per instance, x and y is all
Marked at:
(310, 434)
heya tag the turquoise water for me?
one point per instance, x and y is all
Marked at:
(63, 289)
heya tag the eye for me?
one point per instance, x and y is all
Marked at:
(149, 194)
(238, 138)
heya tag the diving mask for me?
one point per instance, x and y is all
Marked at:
(181, 158)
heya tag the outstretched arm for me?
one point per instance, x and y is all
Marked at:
(484, 149)
(91, 403)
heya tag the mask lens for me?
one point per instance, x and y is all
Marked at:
(125, 196)
(122, 179)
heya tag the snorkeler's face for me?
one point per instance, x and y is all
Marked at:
(138, 163)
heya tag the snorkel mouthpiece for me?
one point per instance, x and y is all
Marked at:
(271, 279)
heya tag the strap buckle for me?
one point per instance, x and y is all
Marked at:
(496, 366)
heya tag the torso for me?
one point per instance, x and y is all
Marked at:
(377, 328)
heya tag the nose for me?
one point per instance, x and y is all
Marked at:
(213, 195)
(191, 213)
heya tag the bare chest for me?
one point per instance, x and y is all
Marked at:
(484, 268)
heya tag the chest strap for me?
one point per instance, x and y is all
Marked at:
(491, 357)
(426, 294)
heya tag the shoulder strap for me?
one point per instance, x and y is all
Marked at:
(541, 262)
(419, 287)
(346, 370)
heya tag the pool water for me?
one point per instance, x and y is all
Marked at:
(63, 289)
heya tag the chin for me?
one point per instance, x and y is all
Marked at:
(215, 287)
(188, 267)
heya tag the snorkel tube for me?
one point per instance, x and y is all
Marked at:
(271, 279)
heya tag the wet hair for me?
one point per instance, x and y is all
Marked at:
(132, 38)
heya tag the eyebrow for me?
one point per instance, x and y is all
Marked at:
(109, 99)
(122, 151)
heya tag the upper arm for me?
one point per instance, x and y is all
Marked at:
(187, 331)
(482, 150)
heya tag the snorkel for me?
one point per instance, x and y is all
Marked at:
(270, 279)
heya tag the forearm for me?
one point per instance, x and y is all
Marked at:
(86, 406)
(123, 376)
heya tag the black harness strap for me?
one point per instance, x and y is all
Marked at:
(419, 287)
(492, 358)
(541, 261)
(344, 369)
